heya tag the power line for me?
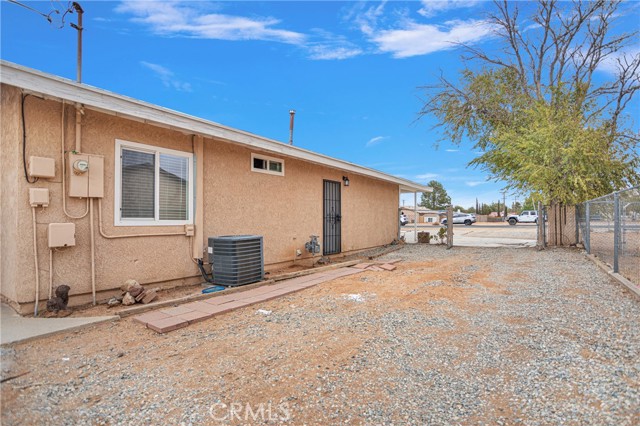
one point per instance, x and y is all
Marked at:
(48, 16)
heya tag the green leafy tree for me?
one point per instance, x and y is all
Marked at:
(542, 122)
(438, 199)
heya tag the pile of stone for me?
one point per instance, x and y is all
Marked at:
(132, 293)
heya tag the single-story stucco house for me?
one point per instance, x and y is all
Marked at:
(424, 214)
(97, 188)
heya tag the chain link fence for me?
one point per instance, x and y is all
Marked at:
(609, 228)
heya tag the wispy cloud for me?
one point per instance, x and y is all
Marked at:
(167, 77)
(610, 64)
(427, 176)
(194, 19)
(415, 39)
(404, 37)
(452, 150)
(323, 51)
(433, 7)
(475, 183)
(375, 141)
(324, 45)
(197, 20)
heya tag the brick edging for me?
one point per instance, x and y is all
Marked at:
(195, 297)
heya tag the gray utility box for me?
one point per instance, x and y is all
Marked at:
(236, 259)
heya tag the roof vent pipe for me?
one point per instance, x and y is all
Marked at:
(292, 112)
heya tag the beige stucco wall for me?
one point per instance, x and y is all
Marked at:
(285, 210)
(10, 161)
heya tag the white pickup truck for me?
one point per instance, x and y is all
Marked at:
(527, 216)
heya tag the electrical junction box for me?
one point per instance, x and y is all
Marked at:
(62, 235)
(189, 230)
(39, 197)
(85, 175)
(42, 167)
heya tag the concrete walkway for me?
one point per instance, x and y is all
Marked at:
(169, 319)
(15, 328)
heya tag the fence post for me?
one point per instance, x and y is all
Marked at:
(587, 227)
(616, 230)
(449, 227)
(544, 227)
(540, 228)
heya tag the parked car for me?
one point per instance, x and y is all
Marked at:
(527, 216)
(465, 218)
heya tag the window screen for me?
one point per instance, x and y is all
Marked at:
(138, 185)
(155, 185)
(173, 187)
(275, 166)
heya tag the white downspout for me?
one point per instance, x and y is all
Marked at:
(199, 239)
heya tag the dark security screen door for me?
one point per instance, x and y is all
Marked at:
(331, 234)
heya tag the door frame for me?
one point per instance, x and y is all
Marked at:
(331, 241)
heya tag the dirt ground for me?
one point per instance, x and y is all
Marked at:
(170, 293)
(450, 337)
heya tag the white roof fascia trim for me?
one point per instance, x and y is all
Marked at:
(114, 104)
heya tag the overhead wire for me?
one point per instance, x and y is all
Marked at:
(44, 15)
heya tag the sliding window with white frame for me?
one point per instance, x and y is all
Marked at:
(153, 185)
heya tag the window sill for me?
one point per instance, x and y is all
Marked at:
(154, 224)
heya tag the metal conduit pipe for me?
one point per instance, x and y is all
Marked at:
(63, 162)
(128, 235)
(50, 273)
(78, 128)
(93, 252)
(35, 259)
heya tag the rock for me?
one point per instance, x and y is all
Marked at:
(140, 296)
(128, 299)
(136, 291)
(149, 296)
(113, 302)
(128, 285)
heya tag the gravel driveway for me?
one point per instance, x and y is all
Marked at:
(465, 336)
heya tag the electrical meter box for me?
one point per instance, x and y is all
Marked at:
(42, 167)
(62, 235)
(39, 197)
(85, 175)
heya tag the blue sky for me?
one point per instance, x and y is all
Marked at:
(351, 70)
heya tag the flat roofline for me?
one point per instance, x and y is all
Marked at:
(101, 100)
